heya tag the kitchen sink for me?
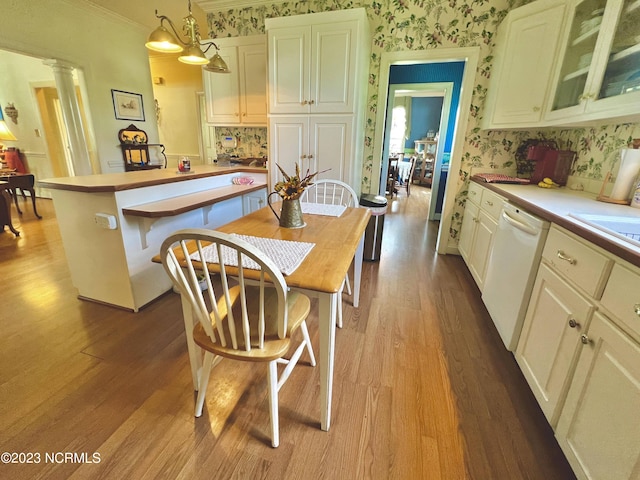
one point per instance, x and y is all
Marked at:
(623, 227)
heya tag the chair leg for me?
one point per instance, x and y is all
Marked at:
(339, 313)
(272, 378)
(307, 340)
(205, 373)
(348, 284)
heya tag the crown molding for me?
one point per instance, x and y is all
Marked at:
(214, 6)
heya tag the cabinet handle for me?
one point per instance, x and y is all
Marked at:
(472, 192)
(312, 102)
(562, 256)
(244, 114)
(536, 109)
(636, 307)
(303, 156)
(584, 339)
(310, 156)
(304, 102)
(573, 323)
(489, 203)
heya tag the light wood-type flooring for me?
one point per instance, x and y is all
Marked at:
(423, 387)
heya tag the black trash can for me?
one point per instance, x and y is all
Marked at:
(373, 234)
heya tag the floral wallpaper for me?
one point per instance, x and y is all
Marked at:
(252, 142)
(423, 24)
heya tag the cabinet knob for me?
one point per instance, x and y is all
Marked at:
(562, 256)
(573, 323)
(310, 156)
(312, 102)
(636, 308)
(303, 156)
(237, 114)
(584, 339)
(244, 114)
(489, 203)
(536, 109)
(304, 102)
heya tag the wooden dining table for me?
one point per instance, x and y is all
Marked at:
(338, 241)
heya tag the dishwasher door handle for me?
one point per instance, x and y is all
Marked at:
(526, 228)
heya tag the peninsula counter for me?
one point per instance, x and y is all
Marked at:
(113, 224)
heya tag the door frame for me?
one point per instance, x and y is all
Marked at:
(469, 55)
(413, 90)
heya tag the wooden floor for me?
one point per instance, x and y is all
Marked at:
(423, 387)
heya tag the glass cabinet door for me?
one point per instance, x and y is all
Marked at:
(622, 72)
(581, 45)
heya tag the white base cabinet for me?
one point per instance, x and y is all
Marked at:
(550, 339)
(599, 429)
(479, 225)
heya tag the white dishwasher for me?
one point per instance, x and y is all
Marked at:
(515, 255)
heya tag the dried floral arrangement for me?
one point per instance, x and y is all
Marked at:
(293, 186)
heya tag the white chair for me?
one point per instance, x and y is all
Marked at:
(246, 320)
(333, 192)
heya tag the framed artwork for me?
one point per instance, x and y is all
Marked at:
(127, 105)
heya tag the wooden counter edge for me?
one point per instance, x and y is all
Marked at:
(182, 203)
(53, 184)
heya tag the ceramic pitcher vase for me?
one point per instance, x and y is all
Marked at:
(290, 213)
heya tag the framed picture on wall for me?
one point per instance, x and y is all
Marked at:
(127, 105)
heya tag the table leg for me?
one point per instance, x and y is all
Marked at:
(14, 194)
(33, 201)
(327, 307)
(6, 199)
(357, 272)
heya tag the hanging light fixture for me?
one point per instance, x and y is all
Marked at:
(165, 41)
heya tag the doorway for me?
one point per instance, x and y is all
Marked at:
(411, 91)
(469, 56)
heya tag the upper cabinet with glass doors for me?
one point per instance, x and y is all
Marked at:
(598, 76)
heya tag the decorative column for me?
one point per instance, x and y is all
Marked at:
(76, 140)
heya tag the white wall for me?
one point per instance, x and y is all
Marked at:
(109, 50)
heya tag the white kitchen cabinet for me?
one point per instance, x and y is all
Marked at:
(254, 201)
(238, 97)
(313, 66)
(598, 429)
(318, 66)
(549, 342)
(527, 46)
(479, 225)
(315, 143)
(570, 279)
(598, 76)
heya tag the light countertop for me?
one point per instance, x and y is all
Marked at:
(555, 205)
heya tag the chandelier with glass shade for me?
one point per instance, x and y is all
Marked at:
(192, 53)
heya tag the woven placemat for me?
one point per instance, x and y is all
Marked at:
(286, 254)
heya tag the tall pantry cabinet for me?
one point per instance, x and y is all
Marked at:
(317, 70)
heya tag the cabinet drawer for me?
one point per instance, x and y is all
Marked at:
(622, 297)
(475, 193)
(492, 203)
(577, 260)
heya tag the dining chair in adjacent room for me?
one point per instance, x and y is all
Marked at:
(241, 319)
(406, 182)
(333, 192)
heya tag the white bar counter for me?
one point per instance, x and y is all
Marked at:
(113, 224)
